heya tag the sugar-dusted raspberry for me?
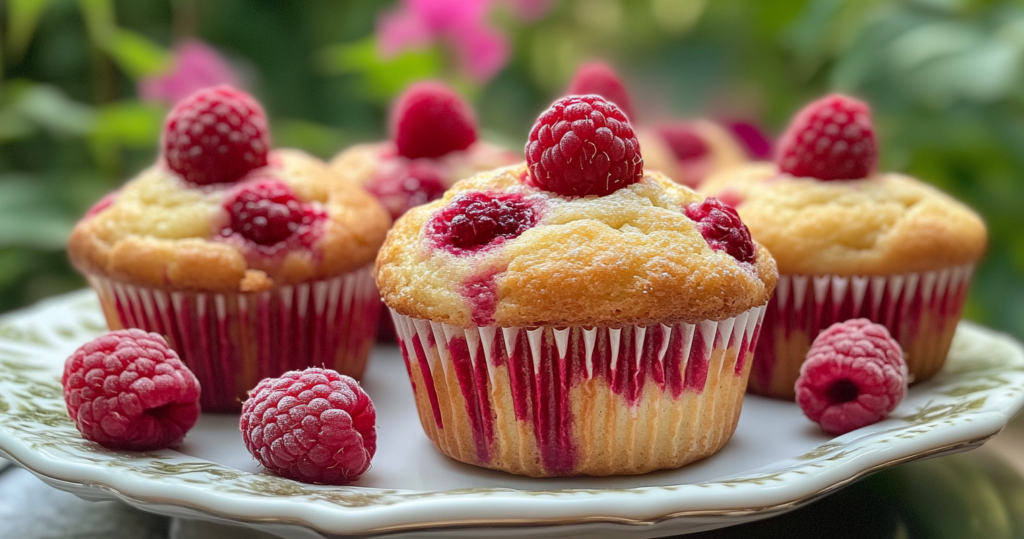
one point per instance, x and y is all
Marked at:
(722, 228)
(315, 426)
(128, 390)
(266, 212)
(854, 375)
(216, 135)
(474, 220)
(598, 78)
(830, 139)
(583, 145)
(401, 184)
(686, 143)
(430, 120)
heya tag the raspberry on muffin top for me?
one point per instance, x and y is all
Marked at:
(823, 208)
(577, 236)
(222, 212)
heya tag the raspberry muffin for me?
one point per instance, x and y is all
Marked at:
(686, 151)
(575, 315)
(851, 242)
(251, 261)
(433, 144)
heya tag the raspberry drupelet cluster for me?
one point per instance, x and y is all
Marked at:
(315, 426)
(429, 120)
(266, 212)
(722, 228)
(854, 375)
(832, 138)
(217, 135)
(583, 145)
(128, 390)
(475, 220)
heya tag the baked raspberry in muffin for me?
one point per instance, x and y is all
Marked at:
(685, 150)
(851, 242)
(576, 314)
(251, 261)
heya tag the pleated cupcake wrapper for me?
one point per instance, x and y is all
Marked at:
(548, 401)
(232, 341)
(921, 311)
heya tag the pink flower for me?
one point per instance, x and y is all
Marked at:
(462, 24)
(196, 66)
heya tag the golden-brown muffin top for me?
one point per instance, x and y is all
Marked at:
(361, 162)
(882, 225)
(159, 231)
(631, 257)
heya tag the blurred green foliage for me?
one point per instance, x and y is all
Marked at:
(944, 76)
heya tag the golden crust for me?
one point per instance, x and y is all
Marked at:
(157, 233)
(884, 225)
(360, 162)
(631, 257)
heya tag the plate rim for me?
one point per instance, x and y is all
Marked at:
(335, 520)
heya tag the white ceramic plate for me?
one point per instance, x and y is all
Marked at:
(776, 461)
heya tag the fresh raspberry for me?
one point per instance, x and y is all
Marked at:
(854, 375)
(598, 78)
(128, 390)
(684, 141)
(830, 139)
(216, 135)
(583, 145)
(267, 213)
(722, 228)
(474, 220)
(402, 184)
(429, 120)
(315, 426)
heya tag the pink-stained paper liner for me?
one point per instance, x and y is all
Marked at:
(549, 401)
(232, 341)
(921, 311)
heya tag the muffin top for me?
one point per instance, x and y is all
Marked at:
(498, 251)
(884, 224)
(822, 208)
(375, 165)
(221, 212)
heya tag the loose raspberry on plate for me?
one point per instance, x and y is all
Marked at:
(429, 120)
(217, 135)
(315, 426)
(854, 376)
(723, 229)
(830, 139)
(598, 78)
(475, 220)
(267, 213)
(583, 145)
(400, 184)
(684, 141)
(128, 390)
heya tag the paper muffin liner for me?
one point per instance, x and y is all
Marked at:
(232, 341)
(549, 401)
(921, 311)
